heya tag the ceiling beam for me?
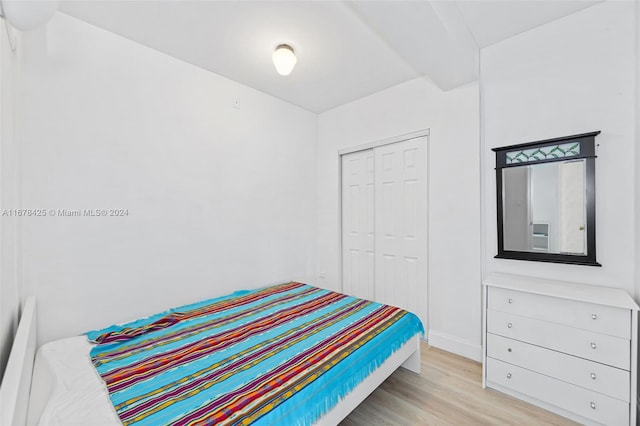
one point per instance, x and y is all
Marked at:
(431, 37)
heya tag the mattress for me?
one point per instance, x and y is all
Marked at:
(296, 382)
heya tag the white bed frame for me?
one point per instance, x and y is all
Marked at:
(16, 385)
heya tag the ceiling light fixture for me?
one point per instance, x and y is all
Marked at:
(26, 15)
(284, 59)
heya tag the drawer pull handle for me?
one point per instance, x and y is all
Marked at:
(593, 345)
(593, 376)
(511, 325)
(593, 405)
(508, 349)
(508, 375)
(594, 316)
(510, 300)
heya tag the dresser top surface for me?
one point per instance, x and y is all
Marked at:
(582, 292)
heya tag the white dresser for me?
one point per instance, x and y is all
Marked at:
(569, 348)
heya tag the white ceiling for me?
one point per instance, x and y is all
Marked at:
(494, 21)
(346, 49)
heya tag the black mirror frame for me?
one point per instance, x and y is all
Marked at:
(587, 151)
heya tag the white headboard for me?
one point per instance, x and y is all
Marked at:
(16, 384)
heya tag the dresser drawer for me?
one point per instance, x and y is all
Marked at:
(598, 377)
(583, 402)
(598, 347)
(587, 316)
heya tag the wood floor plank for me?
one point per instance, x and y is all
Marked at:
(447, 392)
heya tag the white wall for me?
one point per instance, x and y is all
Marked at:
(573, 75)
(454, 224)
(10, 294)
(544, 190)
(637, 139)
(218, 198)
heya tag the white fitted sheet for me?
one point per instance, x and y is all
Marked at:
(66, 389)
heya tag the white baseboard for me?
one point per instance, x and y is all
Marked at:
(454, 344)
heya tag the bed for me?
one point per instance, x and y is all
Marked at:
(285, 354)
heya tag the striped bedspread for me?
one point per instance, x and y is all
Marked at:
(280, 355)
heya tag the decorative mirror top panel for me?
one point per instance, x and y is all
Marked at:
(543, 153)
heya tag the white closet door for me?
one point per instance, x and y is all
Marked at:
(358, 224)
(573, 215)
(401, 225)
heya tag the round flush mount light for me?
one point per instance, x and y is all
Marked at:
(284, 59)
(26, 15)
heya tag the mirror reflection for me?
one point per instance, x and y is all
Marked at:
(544, 207)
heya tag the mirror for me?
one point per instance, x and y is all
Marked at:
(546, 200)
(544, 208)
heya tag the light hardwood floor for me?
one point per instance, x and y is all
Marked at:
(447, 392)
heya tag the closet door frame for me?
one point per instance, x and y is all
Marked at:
(388, 141)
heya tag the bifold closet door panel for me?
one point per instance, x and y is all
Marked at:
(401, 225)
(358, 218)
